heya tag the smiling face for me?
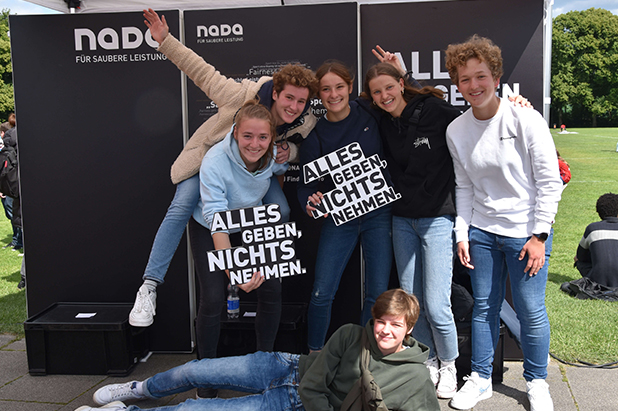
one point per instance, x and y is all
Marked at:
(389, 332)
(289, 103)
(387, 93)
(478, 87)
(335, 95)
(253, 137)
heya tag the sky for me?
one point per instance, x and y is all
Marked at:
(560, 6)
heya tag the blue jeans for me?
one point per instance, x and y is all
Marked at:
(272, 378)
(7, 203)
(178, 214)
(493, 257)
(17, 240)
(171, 229)
(334, 250)
(424, 256)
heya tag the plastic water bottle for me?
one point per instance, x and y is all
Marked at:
(233, 302)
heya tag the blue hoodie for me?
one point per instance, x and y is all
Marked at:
(226, 184)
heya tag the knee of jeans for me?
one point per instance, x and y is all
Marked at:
(192, 369)
(439, 315)
(484, 310)
(534, 320)
(210, 308)
(182, 206)
(320, 298)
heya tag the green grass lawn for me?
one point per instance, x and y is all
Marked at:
(581, 330)
(12, 300)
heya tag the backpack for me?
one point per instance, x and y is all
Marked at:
(9, 178)
(565, 171)
(365, 394)
(586, 289)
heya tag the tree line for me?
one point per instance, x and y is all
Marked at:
(6, 72)
(584, 69)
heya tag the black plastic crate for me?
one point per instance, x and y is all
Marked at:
(66, 338)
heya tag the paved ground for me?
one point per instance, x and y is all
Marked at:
(572, 388)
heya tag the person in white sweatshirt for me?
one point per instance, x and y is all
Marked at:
(507, 191)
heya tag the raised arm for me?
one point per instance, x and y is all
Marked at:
(158, 26)
(388, 57)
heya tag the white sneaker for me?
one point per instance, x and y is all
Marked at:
(114, 406)
(447, 386)
(538, 395)
(143, 312)
(117, 392)
(433, 366)
(474, 390)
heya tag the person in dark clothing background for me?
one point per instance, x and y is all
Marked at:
(597, 253)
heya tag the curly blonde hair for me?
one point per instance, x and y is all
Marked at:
(296, 75)
(481, 48)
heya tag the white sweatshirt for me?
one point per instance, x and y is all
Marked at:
(506, 171)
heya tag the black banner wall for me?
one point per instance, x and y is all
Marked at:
(99, 122)
(422, 31)
(255, 42)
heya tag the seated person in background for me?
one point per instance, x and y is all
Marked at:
(597, 253)
(319, 381)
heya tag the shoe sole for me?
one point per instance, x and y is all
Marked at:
(139, 323)
(116, 404)
(446, 395)
(487, 394)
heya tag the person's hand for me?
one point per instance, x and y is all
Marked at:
(388, 57)
(158, 26)
(463, 252)
(254, 283)
(520, 100)
(315, 198)
(283, 154)
(535, 249)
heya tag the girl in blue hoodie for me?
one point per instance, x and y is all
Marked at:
(235, 173)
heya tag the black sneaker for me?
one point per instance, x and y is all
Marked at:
(22, 284)
(9, 245)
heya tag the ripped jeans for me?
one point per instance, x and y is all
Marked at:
(272, 378)
(334, 250)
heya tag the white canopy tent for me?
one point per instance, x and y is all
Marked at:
(105, 6)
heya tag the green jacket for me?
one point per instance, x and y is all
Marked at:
(326, 377)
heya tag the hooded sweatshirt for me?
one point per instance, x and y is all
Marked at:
(327, 377)
(420, 164)
(226, 184)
